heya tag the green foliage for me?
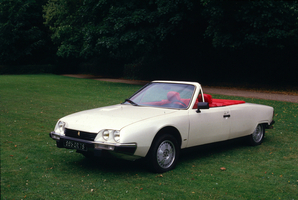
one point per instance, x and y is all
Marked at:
(163, 38)
(133, 29)
(133, 71)
(23, 37)
(118, 29)
(28, 69)
(64, 21)
(32, 167)
(240, 24)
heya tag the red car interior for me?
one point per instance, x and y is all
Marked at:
(217, 102)
(174, 97)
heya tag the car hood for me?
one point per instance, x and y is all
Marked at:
(111, 117)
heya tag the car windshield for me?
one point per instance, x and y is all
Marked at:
(166, 95)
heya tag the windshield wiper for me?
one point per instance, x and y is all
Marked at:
(131, 102)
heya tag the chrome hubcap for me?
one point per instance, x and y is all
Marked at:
(258, 134)
(166, 154)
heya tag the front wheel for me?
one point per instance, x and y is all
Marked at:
(257, 137)
(163, 154)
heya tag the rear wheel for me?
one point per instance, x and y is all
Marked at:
(163, 154)
(257, 137)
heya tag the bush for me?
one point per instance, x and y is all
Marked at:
(27, 69)
(132, 71)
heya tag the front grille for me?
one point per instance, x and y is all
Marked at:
(80, 134)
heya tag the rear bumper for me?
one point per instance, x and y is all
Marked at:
(93, 146)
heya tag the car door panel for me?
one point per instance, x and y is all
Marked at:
(210, 125)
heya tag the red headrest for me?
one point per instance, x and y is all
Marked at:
(207, 98)
(173, 96)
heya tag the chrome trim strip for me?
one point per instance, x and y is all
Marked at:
(93, 142)
(116, 144)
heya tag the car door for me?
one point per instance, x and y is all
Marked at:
(210, 125)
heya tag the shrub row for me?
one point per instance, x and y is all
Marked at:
(27, 69)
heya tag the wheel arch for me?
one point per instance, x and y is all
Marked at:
(256, 138)
(264, 124)
(168, 130)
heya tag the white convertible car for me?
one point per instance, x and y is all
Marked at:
(158, 121)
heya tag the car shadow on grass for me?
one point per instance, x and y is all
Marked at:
(216, 150)
(111, 164)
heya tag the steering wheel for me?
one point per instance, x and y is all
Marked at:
(178, 101)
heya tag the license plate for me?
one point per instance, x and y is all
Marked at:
(75, 145)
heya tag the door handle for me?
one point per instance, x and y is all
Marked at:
(227, 116)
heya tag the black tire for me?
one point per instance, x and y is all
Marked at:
(163, 154)
(257, 137)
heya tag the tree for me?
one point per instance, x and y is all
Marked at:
(242, 24)
(119, 29)
(255, 41)
(23, 37)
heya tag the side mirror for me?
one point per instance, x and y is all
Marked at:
(202, 105)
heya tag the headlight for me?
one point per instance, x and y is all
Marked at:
(106, 135)
(60, 127)
(116, 136)
(109, 133)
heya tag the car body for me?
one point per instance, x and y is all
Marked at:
(158, 121)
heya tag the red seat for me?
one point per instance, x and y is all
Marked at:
(207, 98)
(173, 96)
(216, 102)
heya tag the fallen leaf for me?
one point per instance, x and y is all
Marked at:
(11, 155)
(15, 145)
(223, 169)
(160, 175)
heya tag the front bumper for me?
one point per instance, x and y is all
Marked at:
(93, 146)
(270, 126)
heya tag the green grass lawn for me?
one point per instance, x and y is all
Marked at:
(32, 167)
